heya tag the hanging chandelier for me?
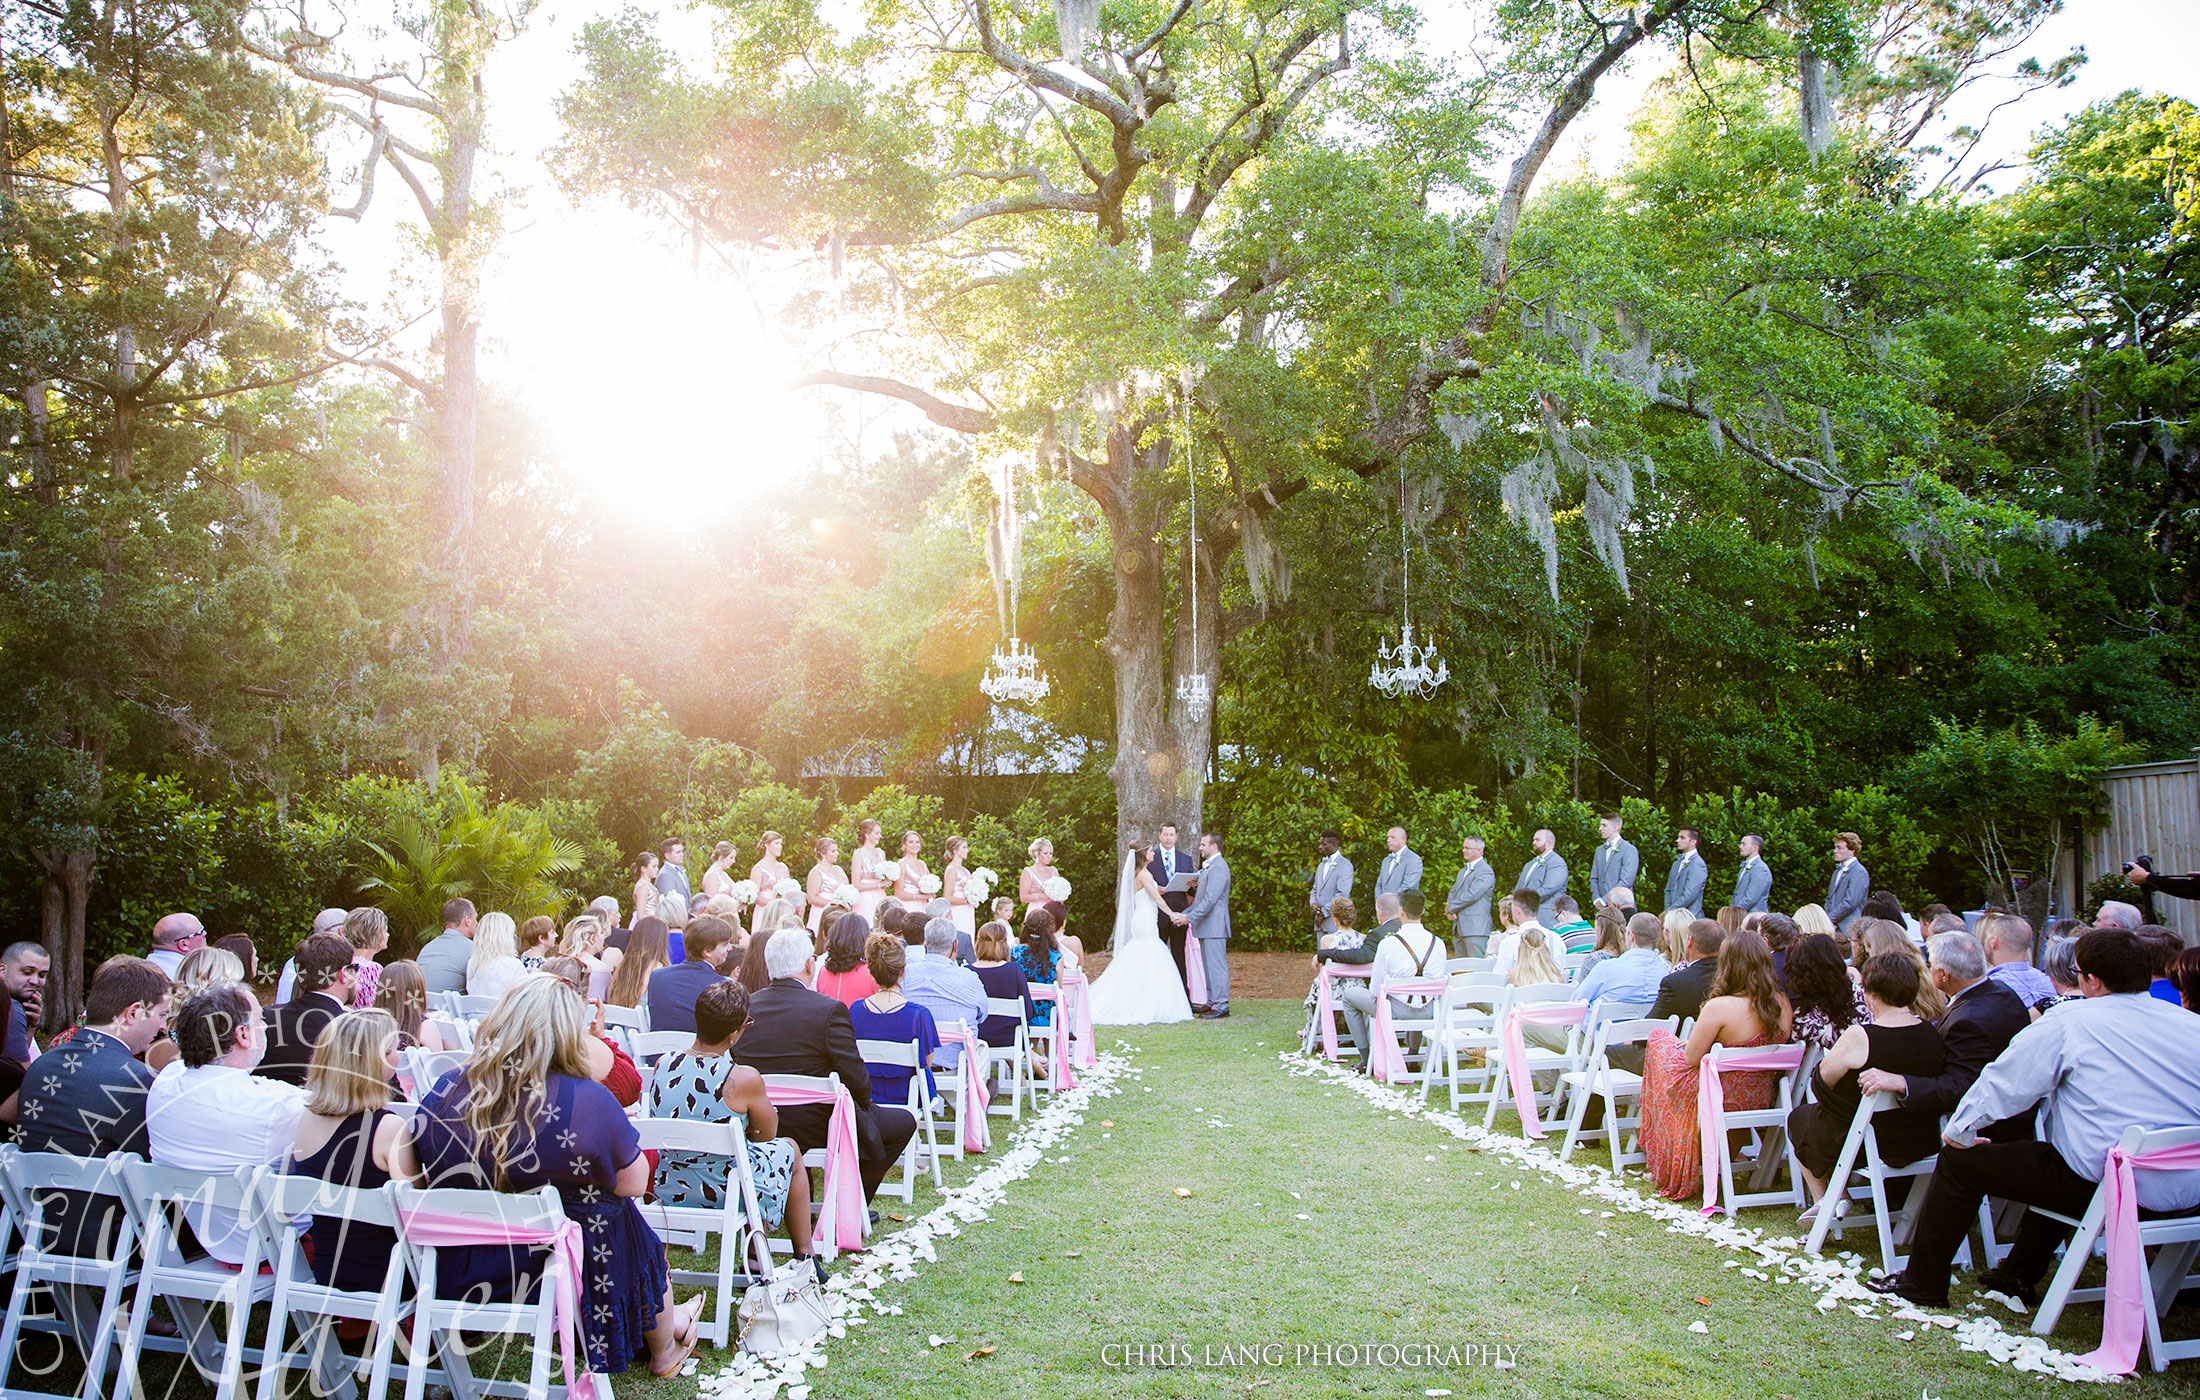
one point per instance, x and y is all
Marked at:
(1015, 677)
(1406, 669)
(1192, 692)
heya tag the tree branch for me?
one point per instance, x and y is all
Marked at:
(958, 417)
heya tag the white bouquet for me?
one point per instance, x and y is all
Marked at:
(928, 884)
(744, 891)
(975, 888)
(788, 889)
(1057, 889)
(985, 876)
(846, 895)
(889, 872)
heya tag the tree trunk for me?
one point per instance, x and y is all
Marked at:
(68, 888)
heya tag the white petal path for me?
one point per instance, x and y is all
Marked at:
(1779, 1260)
(853, 1289)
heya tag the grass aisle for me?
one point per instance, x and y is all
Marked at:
(1397, 1248)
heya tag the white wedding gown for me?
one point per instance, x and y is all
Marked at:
(1140, 986)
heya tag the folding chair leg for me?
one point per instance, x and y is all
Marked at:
(1574, 1121)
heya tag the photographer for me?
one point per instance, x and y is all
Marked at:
(2141, 873)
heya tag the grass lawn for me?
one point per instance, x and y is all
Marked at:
(1402, 1241)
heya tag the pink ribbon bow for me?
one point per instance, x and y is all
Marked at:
(1082, 1053)
(1047, 991)
(975, 1097)
(844, 1221)
(565, 1279)
(1331, 970)
(1545, 1013)
(2129, 1306)
(1711, 1103)
(1389, 1060)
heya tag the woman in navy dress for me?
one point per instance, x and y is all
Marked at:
(524, 1113)
(1003, 980)
(886, 1014)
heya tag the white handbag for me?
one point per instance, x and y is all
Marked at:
(783, 1312)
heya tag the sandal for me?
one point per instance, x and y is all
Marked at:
(685, 1337)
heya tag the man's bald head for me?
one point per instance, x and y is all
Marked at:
(1386, 906)
(175, 929)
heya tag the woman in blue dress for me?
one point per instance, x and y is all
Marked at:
(1040, 959)
(523, 1113)
(886, 1014)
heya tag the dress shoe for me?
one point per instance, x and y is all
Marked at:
(1210, 1014)
(1995, 1280)
(1201, 1008)
(1898, 1286)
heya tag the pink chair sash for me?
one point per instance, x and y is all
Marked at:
(843, 1226)
(975, 1097)
(1389, 1061)
(1711, 1103)
(1327, 1002)
(567, 1286)
(1544, 1013)
(1082, 1053)
(2124, 1312)
(1047, 991)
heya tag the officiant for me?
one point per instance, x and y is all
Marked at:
(1168, 862)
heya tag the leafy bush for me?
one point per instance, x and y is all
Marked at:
(503, 857)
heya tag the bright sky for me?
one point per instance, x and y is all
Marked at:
(656, 381)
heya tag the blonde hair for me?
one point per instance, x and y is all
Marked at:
(1674, 943)
(495, 936)
(577, 931)
(368, 928)
(1033, 849)
(674, 911)
(1534, 966)
(1812, 918)
(537, 1029)
(778, 914)
(205, 967)
(1886, 936)
(350, 1070)
(723, 906)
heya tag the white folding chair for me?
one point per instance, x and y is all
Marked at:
(440, 1325)
(1041, 1039)
(738, 1220)
(646, 1048)
(1602, 1080)
(822, 1202)
(158, 1199)
(2176, 1240)
(1474, 1009)
(902, 1054)
(444, 1002)
(947, 1091)
(1769, 1127)
(1430, 1018)
(30, 1182)
(1014, 1059)
(475, 1008)
(1539, 1059)
(426, 1068)
(623, 1023)
(1894, 1229)
(313, 1308)
(1571, 964)
(457, 1032)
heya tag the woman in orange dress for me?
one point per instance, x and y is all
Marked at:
(1746, 1008)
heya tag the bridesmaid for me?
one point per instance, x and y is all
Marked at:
(768, 871)
(645, 884)
(870, 880)
(718, 879)
(825, 877)
(951, 884)
(1031, 887)
(912, 869)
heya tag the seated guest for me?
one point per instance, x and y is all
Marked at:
(1573, 934)
(325, 983)
(1635, 974)
(1003, 980)
(2007, 943)
(1779, 933)
(888, 1014)
(2184, 974)
(1409, 955)
(368, 930)
(934, 981)
(2059, 960)
(345, 1137)
(703, 1082)
(2161, 945)
(1894, 1041)
(1682, 991)
(845, 977)
(286, 984)
(1611, 936)
(1073, 947)
(1883, 904)
(2114, 913)
(1983, 1016)
(1347, 945)
(708, 943)
(240, 947)
(1038, 958)
(2117, 1059)
(523, 1114)
(752, 975)
(1730, 918)
(1511, 913)
(608, 1062)
(1672, 942)
(645, 953)
(1812, 918)
(175, 937)
(206, 967)
(23, 971)
(1620, 899)
(1876, 936)
(211, 1113)
(1826, 1000)
(443, 960)
(403, 992)
(538, 939)
(795, 1030)
(1746, 1008)
(1536, 967)
(495, 963)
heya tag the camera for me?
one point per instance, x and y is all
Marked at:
(2145, 863)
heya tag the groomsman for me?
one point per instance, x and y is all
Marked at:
(1332, 880)
(1753, 882)
(1168, 862)
(1851, 884)
(1684, 883)
(1401, 869)
(1545, 873)
(1616, 860)
(1468, 904)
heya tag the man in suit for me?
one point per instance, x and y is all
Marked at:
(1168, 862)
(672, 875)
(1545, 874)
(1615, 862)
(1332, 880)
(1401, 868)
(1468, 904)
(794, 1030)
(1685, 881)
(1208, 919)
(673, 990)
(1753, 882)
(326, 979)
(1983, 1016)
(1851, 884)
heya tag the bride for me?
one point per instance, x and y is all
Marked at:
(1140, 986)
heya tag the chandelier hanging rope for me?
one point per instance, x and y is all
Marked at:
(1191, 689)
(1014, 675)
(1406, 669)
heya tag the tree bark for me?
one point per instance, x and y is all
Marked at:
(68, 889)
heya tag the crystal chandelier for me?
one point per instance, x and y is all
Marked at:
(1406, 669)
(1191, 690)
(1015, 676)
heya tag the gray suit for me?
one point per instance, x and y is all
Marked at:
(1546, 875)
(1846, 892)
(1210, 916)
(1684, 883)
(1614, 864)
(1753, 886)
(1332, 880)
(1468, 905)
(1399, 872)
(443, 962)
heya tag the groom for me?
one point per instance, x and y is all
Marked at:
(1168, 862)
(1209, 921)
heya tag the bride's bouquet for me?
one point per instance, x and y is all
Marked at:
(928, 885)
(789, 889)
(744, 891)
(1057, 889)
